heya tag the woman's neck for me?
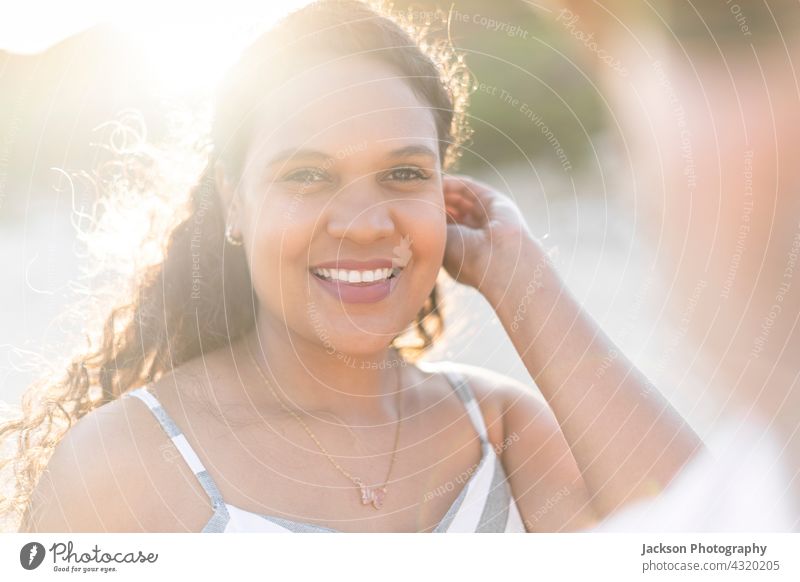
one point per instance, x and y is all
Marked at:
(306, 375)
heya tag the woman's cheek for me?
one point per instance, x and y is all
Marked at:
(278, 238)
(426, 225)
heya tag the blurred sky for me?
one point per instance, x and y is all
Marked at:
(175, 35)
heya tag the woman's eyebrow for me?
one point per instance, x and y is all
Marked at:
(310, 154)
(294, 153)
(413, 150)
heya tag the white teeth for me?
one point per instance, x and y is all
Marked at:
(353, 276)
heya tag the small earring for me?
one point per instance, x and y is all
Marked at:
(235, 241)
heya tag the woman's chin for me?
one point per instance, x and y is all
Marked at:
(357, 346)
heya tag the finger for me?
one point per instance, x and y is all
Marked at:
(455, 185)
(458, 203)
(469, 190)
(456, 217)
(458, 192)
(464, 182)
(468, 218)
(473, 214)
(452, 211)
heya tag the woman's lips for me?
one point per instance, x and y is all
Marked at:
(363, 292)
(359, 265)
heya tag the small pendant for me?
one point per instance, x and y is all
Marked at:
(374, 496)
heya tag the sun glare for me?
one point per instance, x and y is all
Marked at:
(187, 46)
(190, 46)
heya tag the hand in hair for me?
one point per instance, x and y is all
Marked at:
(483, 225)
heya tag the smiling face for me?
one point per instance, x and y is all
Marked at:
(341, 206)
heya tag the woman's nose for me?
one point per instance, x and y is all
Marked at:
(360, 213)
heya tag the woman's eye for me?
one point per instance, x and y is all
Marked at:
(407, 174)
(306, 176)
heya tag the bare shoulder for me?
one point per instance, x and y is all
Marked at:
(106, 475)
(495, 393)
(546, 482)
(81, 488)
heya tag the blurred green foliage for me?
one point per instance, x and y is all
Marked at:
(517, 52)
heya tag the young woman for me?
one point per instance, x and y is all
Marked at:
(261, 379)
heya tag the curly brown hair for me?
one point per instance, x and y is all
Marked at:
(163, 321)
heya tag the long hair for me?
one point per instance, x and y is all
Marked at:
(170, 316)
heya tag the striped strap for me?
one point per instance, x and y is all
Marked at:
(220, 516)
(486, 503)
(464, 392)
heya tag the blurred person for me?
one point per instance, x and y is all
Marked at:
(705, 100)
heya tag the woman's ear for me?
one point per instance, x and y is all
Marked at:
(230, 201)
(222, 183)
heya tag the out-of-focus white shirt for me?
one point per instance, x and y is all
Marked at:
(739, 484)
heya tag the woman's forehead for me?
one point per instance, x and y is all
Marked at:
(357, 103)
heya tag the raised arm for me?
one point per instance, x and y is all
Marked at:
(627, 440)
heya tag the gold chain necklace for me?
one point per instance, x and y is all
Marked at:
(374, 495)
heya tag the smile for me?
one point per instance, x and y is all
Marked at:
(359, 283)
(357, 277)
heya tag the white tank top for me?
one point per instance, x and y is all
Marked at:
(484, 504)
